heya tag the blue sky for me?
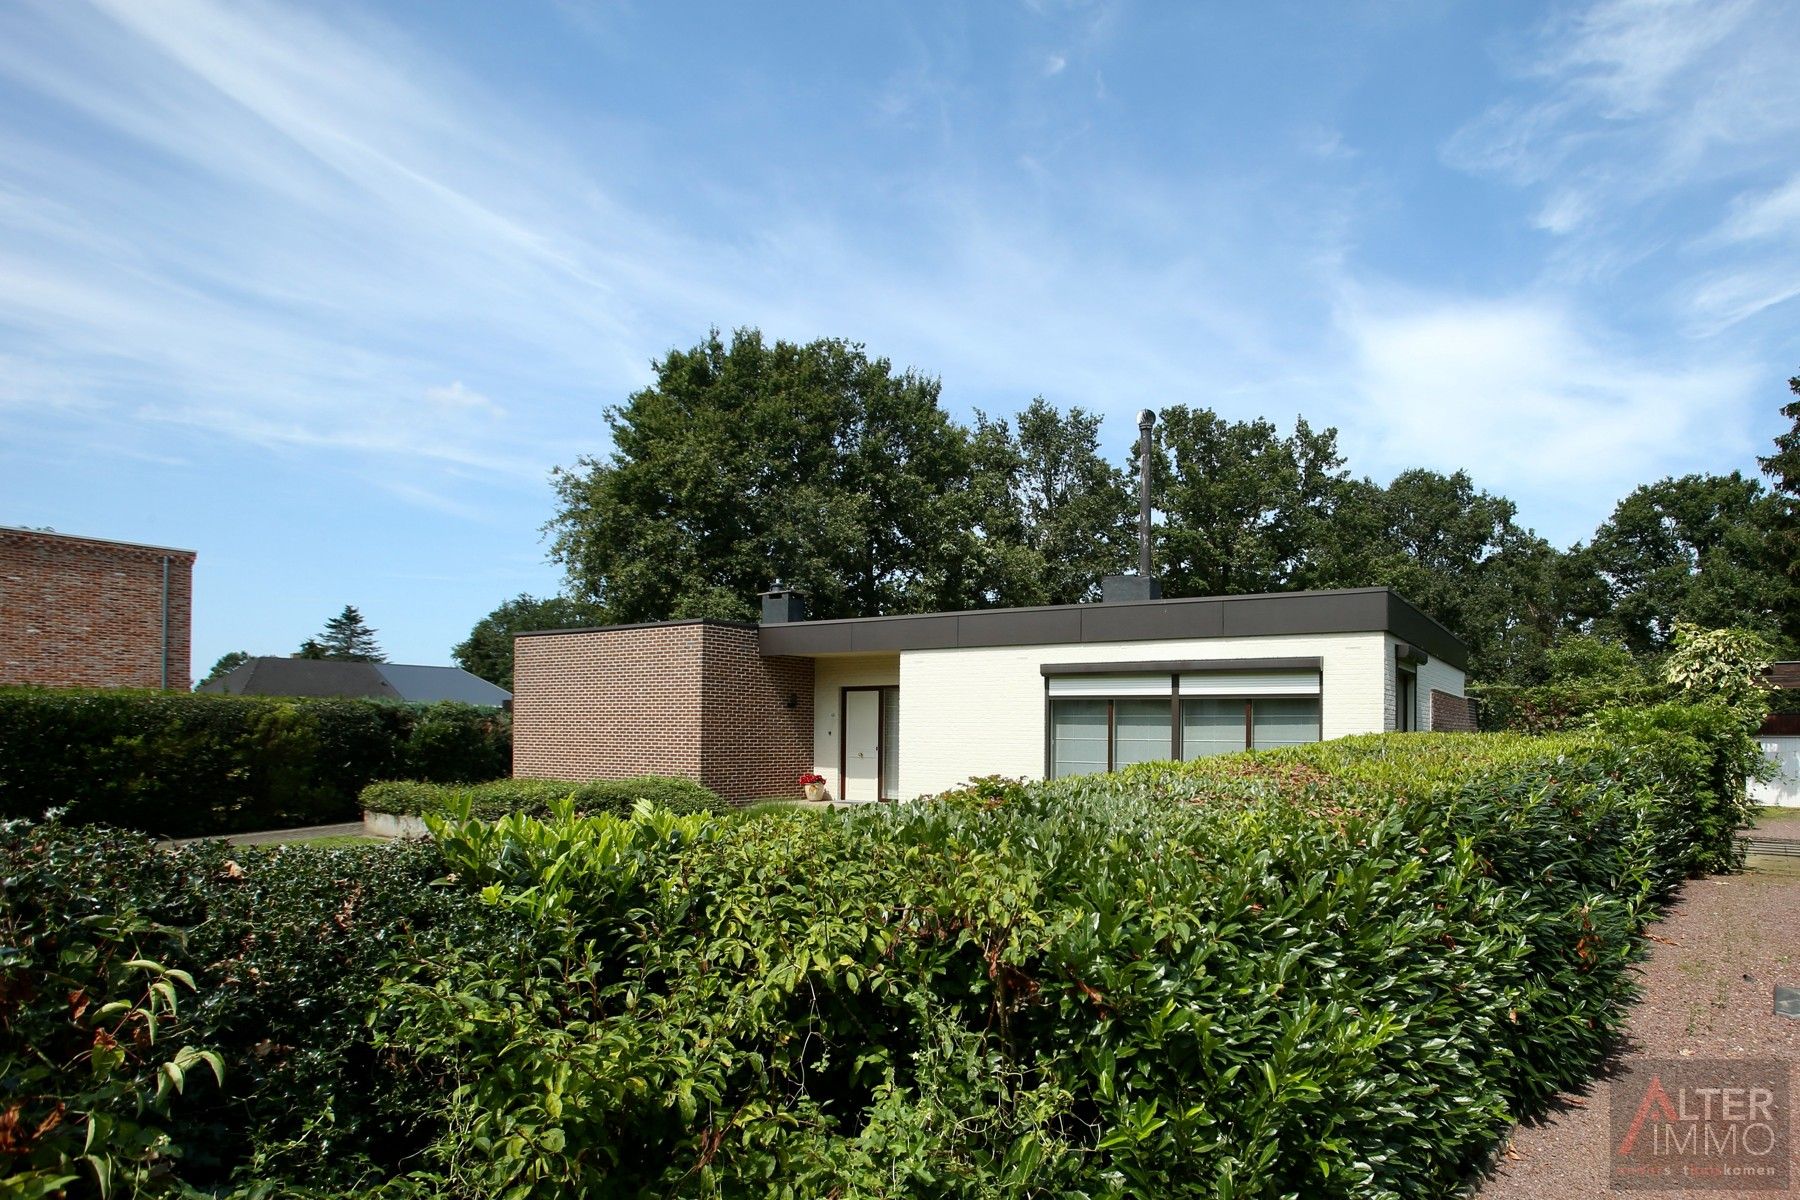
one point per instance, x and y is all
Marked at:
(324, 291)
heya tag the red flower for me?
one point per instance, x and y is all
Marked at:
(809, 777)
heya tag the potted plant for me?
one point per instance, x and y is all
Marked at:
(814, 786)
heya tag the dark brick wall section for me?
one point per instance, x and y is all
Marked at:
(1452, 714)
(693, 699)
(82, 612)
(752, 744)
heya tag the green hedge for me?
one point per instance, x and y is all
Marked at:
(1339, 970)
(533, 797)
(181, 765)
(285, 949)
(1553, 707)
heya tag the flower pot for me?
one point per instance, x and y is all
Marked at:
(816, 792)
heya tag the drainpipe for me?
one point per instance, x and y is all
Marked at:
(165, 624)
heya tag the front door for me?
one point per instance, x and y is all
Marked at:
(862, 745)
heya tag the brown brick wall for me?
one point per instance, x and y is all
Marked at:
(752, 744)
(693, 699)
(1452, 714)
(80, 612)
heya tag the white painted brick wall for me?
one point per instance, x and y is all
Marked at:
(1445, 678)
(981, 711)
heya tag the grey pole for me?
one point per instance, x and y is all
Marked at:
(1146, 419)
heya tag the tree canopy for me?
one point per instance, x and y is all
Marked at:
(228, 662)
(488, 650)
(746, 462)
(346, 638)
(741, 465)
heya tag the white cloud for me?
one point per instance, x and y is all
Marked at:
(1530, 400)
(1054, 64)
(460, 398)
(1773, 213)
(1564, 211)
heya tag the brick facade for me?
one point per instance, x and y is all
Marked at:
(688, 698)
(1452, 714)
(81, 612)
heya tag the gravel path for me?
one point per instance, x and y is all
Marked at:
(1708, 992)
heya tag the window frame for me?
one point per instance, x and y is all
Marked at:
(1176, 747)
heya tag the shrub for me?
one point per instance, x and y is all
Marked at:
(1337, 970)
(276, 975)
(182, 765)
(487, 801)
(1329, 971)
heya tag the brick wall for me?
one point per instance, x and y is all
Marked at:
(753, 745)
(690, 698)
(1452, 714)
(80, 612)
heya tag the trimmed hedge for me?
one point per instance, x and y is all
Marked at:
(1337, 970)
(285, 949)
(533, 797)
(1554, 707)
(187, 765)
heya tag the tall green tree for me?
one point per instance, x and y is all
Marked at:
(1695, 549)
(1244, 508)
(488, 650)
(346, 638)
(748, 463)
(1783, 470)
(1059, 516)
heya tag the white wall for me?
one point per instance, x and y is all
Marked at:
(1784, 750)
(1442, 676)
(981, 711)
(831, 674)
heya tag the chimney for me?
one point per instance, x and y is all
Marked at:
(1115, 589)
(783, 605)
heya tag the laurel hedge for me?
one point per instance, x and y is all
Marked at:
(533, 797)
(186, 765)
(1337, 970)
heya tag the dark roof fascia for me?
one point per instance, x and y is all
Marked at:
(1350, 610)
(1182, 666)
(722, 624)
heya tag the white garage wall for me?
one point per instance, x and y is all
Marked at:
(981, 712)
(830, 674)
(1445, 678)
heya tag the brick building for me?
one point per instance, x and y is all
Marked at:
(84, 612)
(688, 698)
(892, 707)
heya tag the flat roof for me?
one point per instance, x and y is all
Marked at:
(1270, 614)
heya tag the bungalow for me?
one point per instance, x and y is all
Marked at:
(892, 707)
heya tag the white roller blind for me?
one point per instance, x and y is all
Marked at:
(1251, 683)
(1110, 685)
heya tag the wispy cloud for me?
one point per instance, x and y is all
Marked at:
(1627, 119)
(1522, 389)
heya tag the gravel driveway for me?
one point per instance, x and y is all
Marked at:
(1708, 992)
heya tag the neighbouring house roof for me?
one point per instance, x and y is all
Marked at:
(1350, 610)
(1784, 674)
(273, 676)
